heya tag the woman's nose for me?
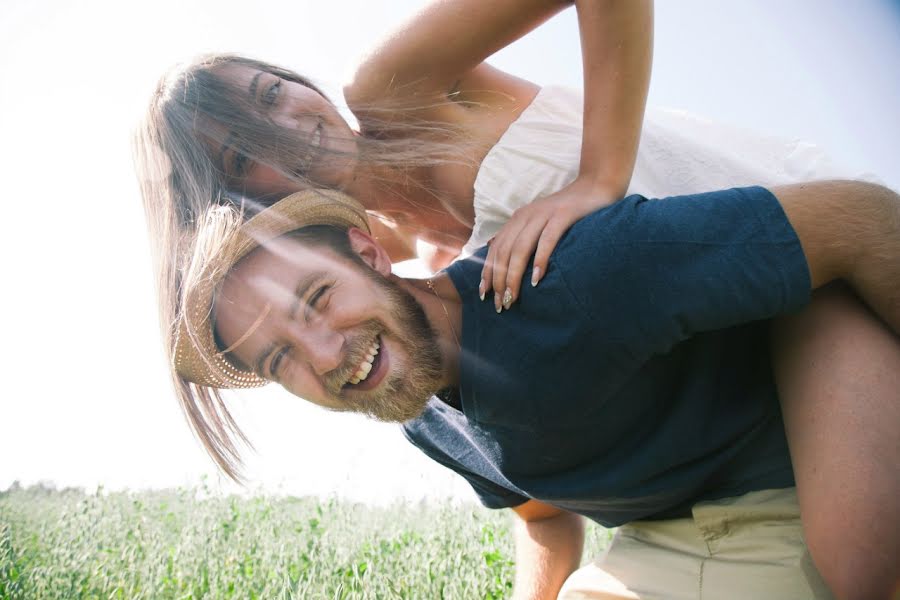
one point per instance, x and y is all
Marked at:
(289, 117)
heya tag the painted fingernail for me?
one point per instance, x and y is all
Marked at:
(481, 290)
(507, 298)
(497, 304)
(535, 276)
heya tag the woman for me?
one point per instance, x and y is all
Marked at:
(438, 157)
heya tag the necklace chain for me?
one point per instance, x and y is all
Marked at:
(430, 285)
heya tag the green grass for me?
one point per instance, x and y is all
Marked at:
(180, 545)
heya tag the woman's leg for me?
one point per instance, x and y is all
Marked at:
(838, 373)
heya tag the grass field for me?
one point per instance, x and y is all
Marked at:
(182, 544)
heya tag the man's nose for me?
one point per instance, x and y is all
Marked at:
(322, 347)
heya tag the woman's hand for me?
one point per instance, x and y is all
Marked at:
(535, 229)
(617, 51)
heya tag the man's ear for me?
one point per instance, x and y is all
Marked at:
(372, 253)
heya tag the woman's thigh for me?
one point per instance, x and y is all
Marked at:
(838, 373)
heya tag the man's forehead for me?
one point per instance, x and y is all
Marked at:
(276, 276)
(276, 269)
(284, 255)
(271, 277)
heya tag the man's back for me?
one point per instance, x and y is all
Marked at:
(587, 394)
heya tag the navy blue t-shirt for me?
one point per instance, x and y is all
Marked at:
(635, 379)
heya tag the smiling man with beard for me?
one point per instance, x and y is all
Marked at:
(634, 387)
(386, 325)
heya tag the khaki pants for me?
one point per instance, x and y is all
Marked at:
(749, 547)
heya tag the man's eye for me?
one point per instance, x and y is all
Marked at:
(271, 94)
(275, 363)
(316, 302)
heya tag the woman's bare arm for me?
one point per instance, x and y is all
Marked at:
(429, 54)
(418, 64)
(617, 54)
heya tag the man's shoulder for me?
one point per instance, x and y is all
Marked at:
(434, 426)
(637, 229)
(465, 273)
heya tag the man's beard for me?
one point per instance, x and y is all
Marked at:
(405, 391)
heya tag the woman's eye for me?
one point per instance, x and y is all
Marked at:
(271, 94)
(240, 165)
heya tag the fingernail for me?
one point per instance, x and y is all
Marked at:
(497, 303)
(507, 298)
(481, 290)
(535, 276)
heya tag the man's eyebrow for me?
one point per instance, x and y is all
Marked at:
(253, 83)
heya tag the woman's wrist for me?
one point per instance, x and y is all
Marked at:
(600, 190)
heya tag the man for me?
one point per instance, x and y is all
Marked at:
(633, 386)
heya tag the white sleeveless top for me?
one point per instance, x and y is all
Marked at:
(678, 154)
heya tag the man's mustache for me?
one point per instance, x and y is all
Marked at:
(357, 347)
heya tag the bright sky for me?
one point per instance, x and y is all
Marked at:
(86, 398)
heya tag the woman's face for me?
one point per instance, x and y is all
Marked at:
(325, 148)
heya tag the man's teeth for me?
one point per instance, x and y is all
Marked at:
(366, 365)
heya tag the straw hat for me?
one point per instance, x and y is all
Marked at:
(197, 358)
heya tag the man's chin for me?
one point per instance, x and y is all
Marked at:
(396, 401)
(396, 412)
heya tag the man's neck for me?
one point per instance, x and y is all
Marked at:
(441, 303)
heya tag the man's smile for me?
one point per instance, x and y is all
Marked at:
(371, 369)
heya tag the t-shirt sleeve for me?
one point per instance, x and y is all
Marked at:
(650, 273)
(490, 494)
